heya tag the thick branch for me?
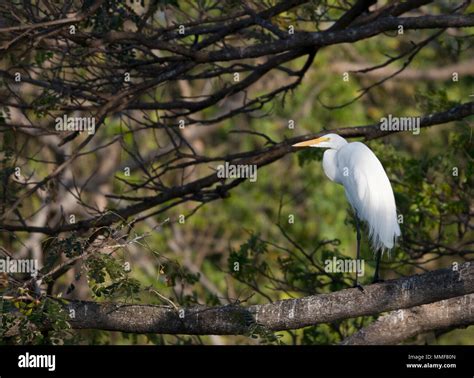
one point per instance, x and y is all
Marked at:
(326, 38)
(400, 325)
(402, 293)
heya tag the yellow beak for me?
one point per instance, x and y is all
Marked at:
(310, 142)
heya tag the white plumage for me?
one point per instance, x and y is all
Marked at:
(366, 184)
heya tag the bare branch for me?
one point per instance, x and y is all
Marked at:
(282, 315)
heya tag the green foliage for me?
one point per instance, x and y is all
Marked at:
(175, 272)
(108, 277)
(42, 56)
(41, 321)
(247, 262)
(110, 16)
(308, 155)
(45, 103)
(434, 100)
(322, 334)
(264, 335)
(71, 246)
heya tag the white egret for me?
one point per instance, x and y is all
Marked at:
(367, 187)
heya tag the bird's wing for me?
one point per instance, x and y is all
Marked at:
(369, 192)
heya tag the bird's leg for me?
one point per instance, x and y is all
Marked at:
(377, 265)
(356, 284)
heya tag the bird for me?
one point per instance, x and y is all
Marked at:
(368, 190)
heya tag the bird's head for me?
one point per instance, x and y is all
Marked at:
(326, 141)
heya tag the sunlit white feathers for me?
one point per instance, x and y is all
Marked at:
(366, 184)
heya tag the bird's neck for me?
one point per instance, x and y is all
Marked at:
(338, 144)
(330, 165)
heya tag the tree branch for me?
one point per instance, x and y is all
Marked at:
(326, 38)
(400, 325)
(289, 314)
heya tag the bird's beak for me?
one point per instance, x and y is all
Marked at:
(310, 142)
